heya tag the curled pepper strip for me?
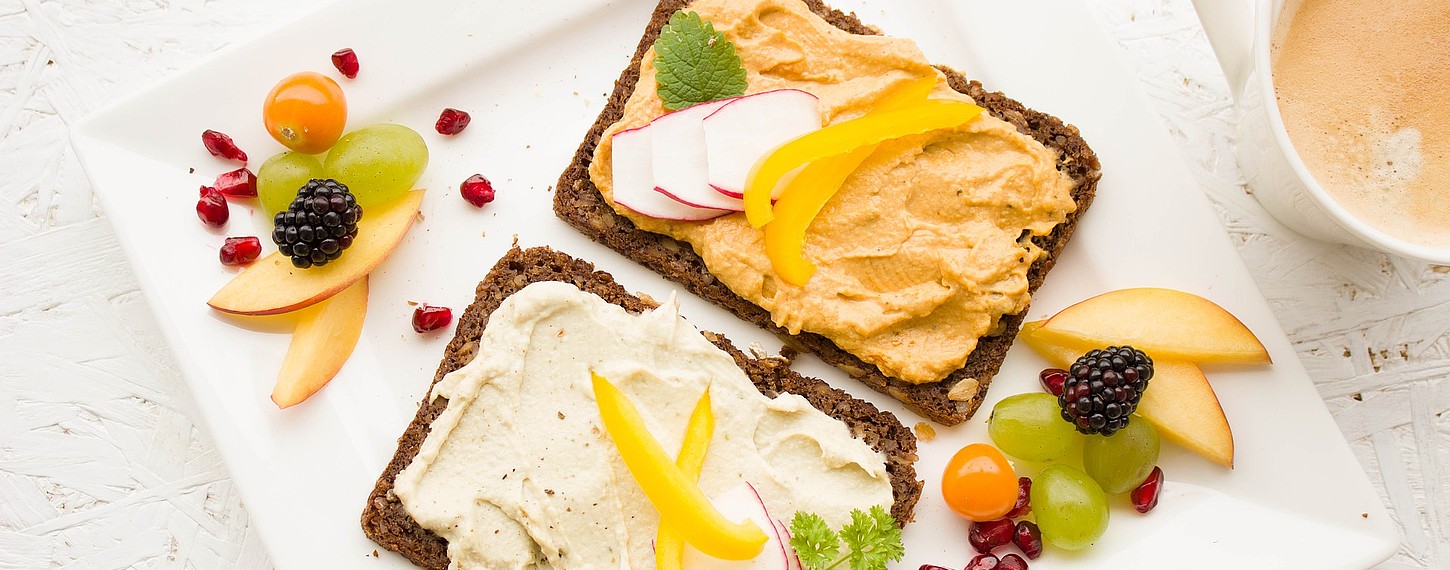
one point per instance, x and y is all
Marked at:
(842, 138)
(805, 195)
(679, 500)
(669, 544)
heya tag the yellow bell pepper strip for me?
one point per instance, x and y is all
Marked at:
(669, 545)
(842, 138)
(908, 93)
(679, 501)
(803, 198)
(813, 186)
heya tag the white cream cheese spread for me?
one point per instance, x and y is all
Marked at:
(518, 471)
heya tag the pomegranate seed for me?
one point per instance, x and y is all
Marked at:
(452, 121)
(983, 562)
(239, 183)
(988, 536)
(1012, 562)
(211, 207)
(1028, 538)
(1052, 380)
(1145, 497)
(1024, 499)
(932, 567)
(221, 145)
(240, 250)
(345, 60)
(477, 190)
(429, 318)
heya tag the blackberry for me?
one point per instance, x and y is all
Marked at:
(320, 223)
(1103, 388)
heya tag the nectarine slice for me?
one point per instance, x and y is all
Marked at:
(272, 285)
(1179, 401)
(1164, 323)
(325, 336)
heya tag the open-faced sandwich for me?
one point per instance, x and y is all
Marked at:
(784, 161)
(534, 446)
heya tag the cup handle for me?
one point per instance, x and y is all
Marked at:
(1230, 28)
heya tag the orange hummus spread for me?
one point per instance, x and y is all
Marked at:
(926, 245)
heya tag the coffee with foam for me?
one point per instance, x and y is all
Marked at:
(1364, 90)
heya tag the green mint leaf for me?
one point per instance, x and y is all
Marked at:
(874, 539)
(695, 63)
(814, 541)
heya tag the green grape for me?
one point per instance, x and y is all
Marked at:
(1122, 461)
(281, 176)
(1071, 510)
(378, 163)
(1030, 426)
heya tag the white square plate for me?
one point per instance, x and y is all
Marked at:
(534, 75)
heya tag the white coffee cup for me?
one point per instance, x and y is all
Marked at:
(1240, 32)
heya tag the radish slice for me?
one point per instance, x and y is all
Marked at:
(738, 504)
(794, 560)
(750, 127)
(681, 165)
(634, 180)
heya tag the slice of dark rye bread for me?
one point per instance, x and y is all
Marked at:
(386, 523)
(950, 401)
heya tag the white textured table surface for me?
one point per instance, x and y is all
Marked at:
(101, 465)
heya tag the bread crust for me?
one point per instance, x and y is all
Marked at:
(386, 522)
(950, 401)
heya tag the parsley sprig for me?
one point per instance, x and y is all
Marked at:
(872, 540)
(695, 63)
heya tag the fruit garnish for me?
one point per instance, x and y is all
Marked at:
(1028, 538)
(1012, 562)
(1029, 426)
(305, 111)
(695, 63)
(669, 544)
(1071, 510)
(325, 337)
(476, 190)
(221, 145)
(239, 183)
(1023, 506)
(1052, 380)
(1123, 460)
(679, 501)
(842, 138)
(1104, 387)
(1145, 496)
(872, 540)
(984, 561)
(378, 162)
(986, 536)
(1164, 322)
(319, 224)
(431, 317)
(282, 175)
(1182, 405)
(345, 60)
(240, 250)
(211, 207)
(452, 121)
(272, 285)
(804, 196)
(979, 484)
